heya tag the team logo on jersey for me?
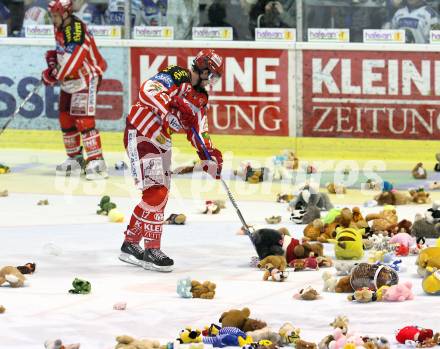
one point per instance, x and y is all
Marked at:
(164, 79)
(73, 33)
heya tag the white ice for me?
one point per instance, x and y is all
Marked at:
(206, 248)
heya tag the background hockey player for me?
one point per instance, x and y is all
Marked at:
(77, 66)
(417, 18)
(173, 99)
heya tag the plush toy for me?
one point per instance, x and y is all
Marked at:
(284, 198)
(340, 339)
(330, 282)
(228, 336)
(340, 322)
(306, 216)
(363, 295)
(12, 276)
(115, 216)
(44, 202)
(428, 258)
(379, 241)
(105, 206)
(413, 334)
(343, 285)
(289, 334)
(265, 333)
(403, 239)
(127, 342)
(302, 344)
(204, 290)
(268, 242)
(318, 231)
(4, 169)
(383, 221)
(28, 268)
(431, 282)
(358, 220)
(188, 335)
(2, 309)
(240, 319)
(120, 306)
(309, 196)
(335, 188)
(211, 207)
(348, 243)
(175, 219)
(307, 294)
(273, 220)
(58, 344)
(80, 286)
(418, 172)
(344, 268)
(184, 288)
(278, 262)
(274, 274)
(434, 185)
(404, 226)
(392, 197)
(419, 196)
(428, 226)
(398, 293)
(372, 276)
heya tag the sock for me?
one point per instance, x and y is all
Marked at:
(72, 143)
(135, 229)
(92, 144)
(153, 229)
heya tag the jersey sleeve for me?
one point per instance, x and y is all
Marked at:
(155, 96)
(77, 42)
(202, 130)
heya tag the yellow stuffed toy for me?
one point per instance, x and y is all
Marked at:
(188, 335)
(431, 283)
(127, 342)
(348, 243)
(428, 258)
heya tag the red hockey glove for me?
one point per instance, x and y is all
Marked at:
(213, 166)
(51, 58)
(48, 77)
(186, 117)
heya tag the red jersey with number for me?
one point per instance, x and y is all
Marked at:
(79, 60)
(153, 116)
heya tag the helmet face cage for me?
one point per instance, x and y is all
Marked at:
(207, 59)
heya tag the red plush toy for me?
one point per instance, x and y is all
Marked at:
(413, 333)
(402, 250)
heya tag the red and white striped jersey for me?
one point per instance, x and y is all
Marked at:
(153, 116)
(79, 59)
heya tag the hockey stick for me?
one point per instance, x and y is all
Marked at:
(231, 198)
(35, 90)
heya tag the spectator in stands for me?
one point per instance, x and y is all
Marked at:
(272, 14)
(417, 18)
(86, 12)
(36, 12)
(182, 15)
(115, 12)
(154, 13)
(5, 16)
(217, 17)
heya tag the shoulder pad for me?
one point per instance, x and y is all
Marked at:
(178, 74)
(74, 33)
(431, 11)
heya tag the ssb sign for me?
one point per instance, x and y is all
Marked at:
(371, 94)
(250, 98)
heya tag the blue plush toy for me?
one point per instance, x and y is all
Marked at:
(184, 288)
(228, 336)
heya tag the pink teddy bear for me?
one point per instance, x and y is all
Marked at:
(340, 340)
(399, 292)
(403, 239)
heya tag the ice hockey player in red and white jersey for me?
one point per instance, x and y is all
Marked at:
(77, 65)
(172, 100)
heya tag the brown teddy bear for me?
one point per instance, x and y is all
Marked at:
(204, 291)
(11, 275)
(278, 262)
(127, 342)
(363, 295)
(314, 231)
(343, 285)
(419, 172)
(240, 319)
(334, 188)
(357, 219)
(303, 250)
(383, 221)
(393, 197)
(420, 196)
(285, 198)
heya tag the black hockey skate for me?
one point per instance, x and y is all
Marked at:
(132, 253)
(155, 259)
